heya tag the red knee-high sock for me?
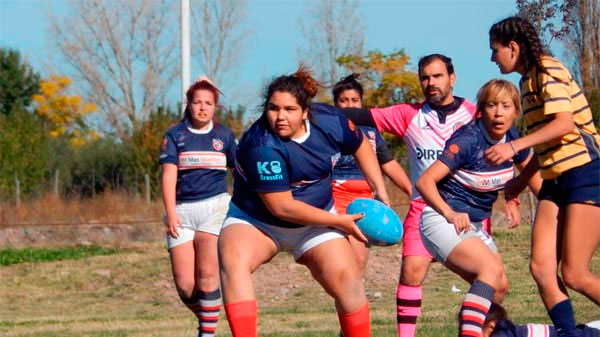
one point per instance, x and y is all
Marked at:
(408, 307)
(242, 317)
(356, 324)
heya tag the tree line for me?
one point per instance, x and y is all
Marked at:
(121, 58)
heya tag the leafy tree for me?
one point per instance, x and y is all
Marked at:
(146, 142)
(385, 77)
(18, 81)
(63, 114)
(23, 152)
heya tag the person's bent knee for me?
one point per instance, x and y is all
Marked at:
(493, 274)
(412, 274)
(573, 279)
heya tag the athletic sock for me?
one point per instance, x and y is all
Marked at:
(206, 307)
(474, 309)
(356, 324)
(408, 308)
(562, 316)
(243, 318)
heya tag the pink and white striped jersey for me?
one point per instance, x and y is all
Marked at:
(421, 130)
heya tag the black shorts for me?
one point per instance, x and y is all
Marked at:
(579, 185)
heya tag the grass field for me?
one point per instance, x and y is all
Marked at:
(130, 293)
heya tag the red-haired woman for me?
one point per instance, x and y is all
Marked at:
(195, 155)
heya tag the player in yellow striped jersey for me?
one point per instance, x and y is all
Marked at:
(560, 128)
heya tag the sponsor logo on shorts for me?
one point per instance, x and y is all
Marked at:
(269, 170)
(590, 202)
(217, 144)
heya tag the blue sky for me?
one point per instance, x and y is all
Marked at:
(455, 28)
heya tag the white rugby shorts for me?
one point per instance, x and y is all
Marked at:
(295, 240)
(204, 215)
(440, 238)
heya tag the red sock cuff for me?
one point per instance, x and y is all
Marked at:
(243, 318)
(356, 324)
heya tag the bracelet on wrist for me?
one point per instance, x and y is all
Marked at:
(512, 146)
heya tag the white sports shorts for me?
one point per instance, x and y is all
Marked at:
(204, 215)
(295, 240)
(440, 238)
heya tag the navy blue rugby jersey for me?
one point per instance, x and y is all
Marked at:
(266, 163)
(202, 158)
(347, 168)
(473, 185)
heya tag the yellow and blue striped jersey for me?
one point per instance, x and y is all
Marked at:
(544, 94)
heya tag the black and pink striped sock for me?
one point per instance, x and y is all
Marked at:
(408, 308)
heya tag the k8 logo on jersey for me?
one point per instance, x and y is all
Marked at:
(269, 170)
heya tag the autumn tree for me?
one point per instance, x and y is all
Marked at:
(386, 80)
(333, 29)
(18, 81)
(63, 114)
(123, 55)
(219, 34)
(576, 24)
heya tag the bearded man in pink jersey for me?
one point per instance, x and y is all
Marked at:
(424, 127)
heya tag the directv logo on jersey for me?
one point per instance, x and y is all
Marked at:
(269, 170)
(428, 154)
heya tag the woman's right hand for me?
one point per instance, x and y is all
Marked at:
(173, 222)
(347, 223)
(460, 221)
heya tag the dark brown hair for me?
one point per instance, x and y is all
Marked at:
(349, 82)
(523, 33)
(300, 84)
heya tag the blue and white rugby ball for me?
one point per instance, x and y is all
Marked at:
(381, 225)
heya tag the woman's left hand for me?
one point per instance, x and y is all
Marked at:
(511, 209)
(499, 153)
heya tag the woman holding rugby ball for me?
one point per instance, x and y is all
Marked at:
(460, 188)
(282, 202)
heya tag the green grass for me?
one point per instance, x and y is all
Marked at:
(13, 256)
(133, 295)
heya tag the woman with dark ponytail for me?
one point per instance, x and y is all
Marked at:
(282, 201)
(561, 129)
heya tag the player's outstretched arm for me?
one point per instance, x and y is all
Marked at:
(426, 185)
(396, 173)
(284, 206)
(368, 164)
